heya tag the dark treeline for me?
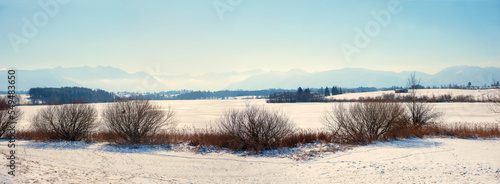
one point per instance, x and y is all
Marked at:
(197, 95)
(226, 94)
(319, 94)
(304, 95)
(162, 95)
(393, 97)
(68, 95)
(223, 94)
(469, 85)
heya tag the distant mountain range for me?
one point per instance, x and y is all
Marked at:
(114, 79)
(356, 77)
(106, 78)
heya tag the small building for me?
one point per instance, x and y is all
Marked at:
(401, 91)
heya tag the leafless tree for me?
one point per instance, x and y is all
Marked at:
(494, 97)
(412, 83)
(421, 113)
(7, 115)
(137, 121)
(255, 128)
(69, 122)
(364, 121)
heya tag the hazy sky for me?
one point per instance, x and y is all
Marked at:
(199, 36)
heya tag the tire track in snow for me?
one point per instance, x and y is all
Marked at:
(105, 161)
(419, 153)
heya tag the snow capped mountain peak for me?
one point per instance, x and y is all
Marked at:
(114, 79)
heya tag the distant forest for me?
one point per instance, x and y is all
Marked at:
(197, 95)
(226, 94)
(304, 95)
(67, 95)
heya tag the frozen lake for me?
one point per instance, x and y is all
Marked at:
(204, 113)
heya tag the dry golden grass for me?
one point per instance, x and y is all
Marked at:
(458, 130)
(212, 137)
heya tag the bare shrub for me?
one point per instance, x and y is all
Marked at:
(255, 128)
(421, 112)
(365, 121)
(7, 117)
(137, 121)
(65, 122)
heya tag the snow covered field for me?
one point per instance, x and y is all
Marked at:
(431, 160)
(478, 94)
(204, 113)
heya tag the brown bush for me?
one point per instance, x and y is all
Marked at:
(365, 121)
(137, 121)
(255, 128)
(70, 122)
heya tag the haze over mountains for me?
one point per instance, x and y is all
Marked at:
(115, 79)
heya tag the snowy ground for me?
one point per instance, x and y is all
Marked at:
(431, 160)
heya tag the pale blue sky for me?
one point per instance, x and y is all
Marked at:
(188, 36)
